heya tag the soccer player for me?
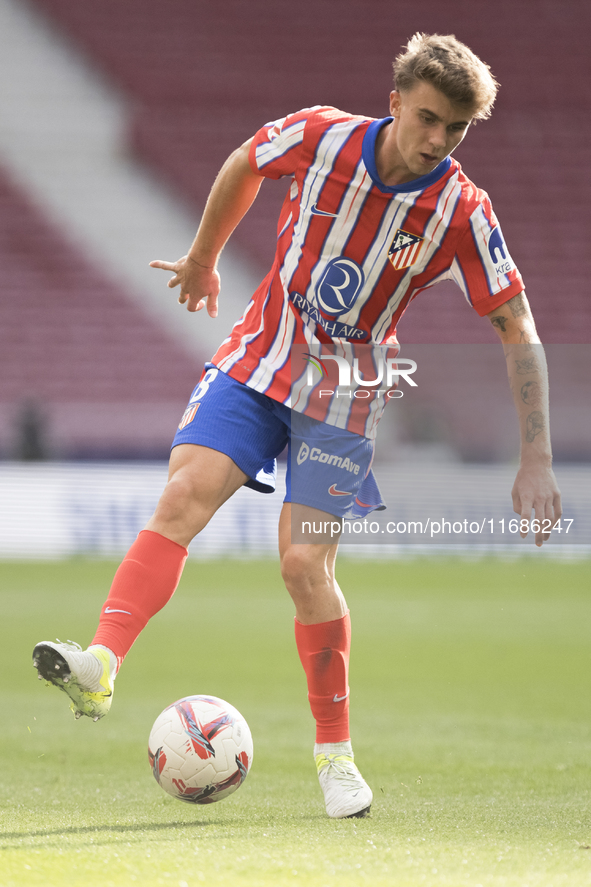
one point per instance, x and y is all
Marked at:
(377, 211)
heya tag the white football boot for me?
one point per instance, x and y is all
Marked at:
(346, 793)
(87, 676)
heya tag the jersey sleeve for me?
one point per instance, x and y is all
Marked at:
(276, 148)
(482, 266)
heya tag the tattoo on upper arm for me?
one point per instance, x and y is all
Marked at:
(534, 425)
(531, 394)
(500, 322)
(526, 366)
(517, 305)
(524, 339)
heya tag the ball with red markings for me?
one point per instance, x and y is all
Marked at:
(200, 749)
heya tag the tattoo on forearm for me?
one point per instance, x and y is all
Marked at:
(500, 322)
(526, 366)
(531, 394)
(534, 425)
(517, 305)
(524, 339)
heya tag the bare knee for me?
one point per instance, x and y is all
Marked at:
(177, 498)
(308, 573)
(181, 512)
(302, 568)
(186, 506)
(200, 481)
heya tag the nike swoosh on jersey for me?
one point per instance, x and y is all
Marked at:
(320, 212)
(109, 610)
(334, 492)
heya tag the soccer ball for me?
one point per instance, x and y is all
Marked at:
(200, 749)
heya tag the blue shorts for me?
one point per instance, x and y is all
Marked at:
(327, 468)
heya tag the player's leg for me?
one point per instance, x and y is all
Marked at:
(200, 480)
(227, 436)
(323, 638)
(322, 626)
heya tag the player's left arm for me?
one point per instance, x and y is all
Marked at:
(535, 488)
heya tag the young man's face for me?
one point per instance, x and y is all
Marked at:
(427, 126)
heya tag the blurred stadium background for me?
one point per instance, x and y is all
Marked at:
(115, 118)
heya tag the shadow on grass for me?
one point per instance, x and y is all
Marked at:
(97, 829)
(14, 840)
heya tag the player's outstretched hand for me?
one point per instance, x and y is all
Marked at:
(536, 498)
(200, 285)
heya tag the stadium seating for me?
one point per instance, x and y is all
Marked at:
(69, 337)
(202, 77)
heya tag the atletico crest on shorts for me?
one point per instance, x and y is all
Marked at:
(405, 249)
(188, 416)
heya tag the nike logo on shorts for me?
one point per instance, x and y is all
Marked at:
(109, 610)
(320, 212)
(334, 492)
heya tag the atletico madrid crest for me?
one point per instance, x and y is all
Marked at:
(188, 416)
(405, 249)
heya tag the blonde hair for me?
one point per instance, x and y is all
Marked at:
(449, 66)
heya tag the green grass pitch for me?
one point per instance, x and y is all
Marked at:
(471, 719)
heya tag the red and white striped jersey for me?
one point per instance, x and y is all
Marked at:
(352, 252)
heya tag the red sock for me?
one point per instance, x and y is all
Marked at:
(143, 584)
(324, 653)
